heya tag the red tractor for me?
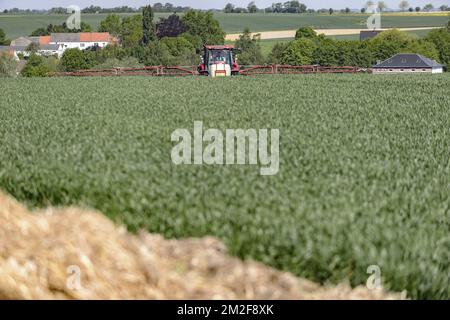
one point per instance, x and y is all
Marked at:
(218, 61)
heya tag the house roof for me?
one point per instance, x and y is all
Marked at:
(22, 41)
(65, 37)
(80, 37)
(219, 47)
(408, 60)
(94, 37)
(18, 48)
(5, 48)
(368, 34)
(44, 40)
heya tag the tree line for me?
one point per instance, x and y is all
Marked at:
(278, 7)
(310, 48)
(157, 7)
(297, 7)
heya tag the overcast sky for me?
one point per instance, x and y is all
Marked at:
(204, 4)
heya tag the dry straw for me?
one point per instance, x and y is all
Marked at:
(39, 251)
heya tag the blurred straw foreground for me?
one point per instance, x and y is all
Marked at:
(76, 254)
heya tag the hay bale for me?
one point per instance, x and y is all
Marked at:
(77, 254)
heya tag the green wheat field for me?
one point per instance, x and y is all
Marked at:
(22, 25)
(364, 167)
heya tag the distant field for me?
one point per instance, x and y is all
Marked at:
(364, 166)
(274, 22)
(19, 25)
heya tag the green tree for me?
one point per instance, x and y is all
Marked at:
(35, 67)
(299, 52)
(252, 8)
(403, 5)
(40, 32)
(7, 65)
(111, 24)
(127, 62)
(148, 26)
(391, 42)
(428, 7)
(3, 40)
(250, 48)
(33, 47)
(327, 53)
(229, 8)
(441, 40)
(131, 32)
(180, 51)
(205, 26)
(75, 59)
(111, 52)
(382, 6)
(305, 32)
(84, 27)
(276, 55)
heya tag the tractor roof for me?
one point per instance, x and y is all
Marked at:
(219, 47)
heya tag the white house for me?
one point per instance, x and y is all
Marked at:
(408, 63)
(57, 43)
(80, 41)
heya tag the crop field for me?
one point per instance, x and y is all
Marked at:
(23, 25)
(364, 167)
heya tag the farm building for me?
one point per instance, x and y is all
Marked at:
(368, 34)
(57, 43)
(408, 63)
(81, 40)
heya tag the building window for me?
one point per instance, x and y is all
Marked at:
(96, 44)
(82, 45)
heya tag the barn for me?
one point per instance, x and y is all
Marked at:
(408, 63)
(368, 34)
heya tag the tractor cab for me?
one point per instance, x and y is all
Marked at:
(218, 61)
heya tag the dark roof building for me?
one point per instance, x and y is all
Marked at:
(80, 37)
(368, 34)
(408, 63)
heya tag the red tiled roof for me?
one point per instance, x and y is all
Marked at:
(94, 37)
(219, 47)
(44, 39)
